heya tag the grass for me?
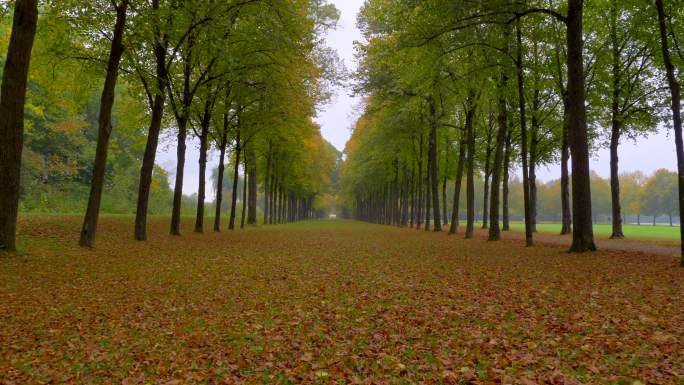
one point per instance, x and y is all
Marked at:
(330, 302)
(645, 232)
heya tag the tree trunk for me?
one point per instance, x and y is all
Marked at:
(566, 220)
(501, 134)
(470, 183)
(534, 142)
(457, 183)
(221, 170)
(615, 127)
(201, 188)
(244, 189)
(675, 93)
(505, 217)
(419, 212)
(252, 189)
(160, 47)
(434, 172)
(582, 231)
(267, 180)
(236, 177)
(89, 228)
(523, 136)
(428, 196)
(12, 100)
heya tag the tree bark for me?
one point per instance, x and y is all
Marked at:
(160, 51)
(434, 172)
(244, 188)
(419, 212)
(252, 187)
(566, 220)
(457, 183)
(582, 231)
(501, 135)
(615, 127)
(104, 131)
(505, 217)
(470, 162)
(221, 170)
(523, 136)
(675, 92)
(204, 144)
(236, 177)
(12, 100)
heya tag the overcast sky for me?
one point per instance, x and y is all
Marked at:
(337, 118)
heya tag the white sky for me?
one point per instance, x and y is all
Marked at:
(337, 118)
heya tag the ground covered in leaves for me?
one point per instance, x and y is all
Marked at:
(332, 302)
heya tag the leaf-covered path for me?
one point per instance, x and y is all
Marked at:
(332, 302)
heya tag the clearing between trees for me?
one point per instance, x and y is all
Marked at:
(332, 302)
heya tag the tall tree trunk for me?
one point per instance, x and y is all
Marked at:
(244, 188)
(160, 47)
(523, 136)
(534, 144)
(470, 183)
(444, 180)
(221, 170)
(267, 180)
(505, 217)
(182, 116)
(615, 127)
(236, 177)
(419, 220)
(428, 196)
(501, 134)
(566, 220)
(675, 93)
(252, 189)
(12, 100)
(413, 196)
(457, 182)
(582, 231)
(104, 129)
(434, 172)
(201, 188)
(487, 173)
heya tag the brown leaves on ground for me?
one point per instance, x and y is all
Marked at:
(331, 302)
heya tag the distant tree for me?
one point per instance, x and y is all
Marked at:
(660, 195)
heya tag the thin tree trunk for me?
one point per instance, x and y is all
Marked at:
(505, 217)
(201, 188)
(501, 134)
(12, 100)
(221, 170)
(523, 137)
(457, 183)
(470, 183)
(244, 189)
(434, 172)
(615, 127)
(675, 93)
(534, 142)
(89, 228)
(582, 231)
(252, 190)
(420, 184)
(236, 177)
(565, 174)
(267, 180)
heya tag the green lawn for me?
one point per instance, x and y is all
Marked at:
(661, 232)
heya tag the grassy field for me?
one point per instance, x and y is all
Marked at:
(635, 232)
(335, 302)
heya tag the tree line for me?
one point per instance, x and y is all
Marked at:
(456, 89)
(243, 77)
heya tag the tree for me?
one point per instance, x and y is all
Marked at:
(12, 99)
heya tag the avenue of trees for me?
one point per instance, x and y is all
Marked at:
(460, 91)
(89, 87)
